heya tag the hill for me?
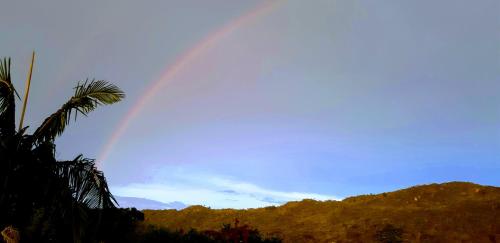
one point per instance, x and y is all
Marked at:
(449, 212)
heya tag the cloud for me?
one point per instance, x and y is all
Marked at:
(272, 200)
(230, 192)
(215, 192)
(142, 203)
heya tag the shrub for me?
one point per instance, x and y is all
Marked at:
(389, 234)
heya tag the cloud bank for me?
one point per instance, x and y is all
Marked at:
(214, 192)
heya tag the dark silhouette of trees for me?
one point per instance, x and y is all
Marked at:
(45, 199)
(227, 234)
(238, 233)
(116, 225)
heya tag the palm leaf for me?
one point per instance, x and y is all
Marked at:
(86, 183)
(88, 96)
(7, 99)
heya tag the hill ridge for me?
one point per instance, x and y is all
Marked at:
(437, 212)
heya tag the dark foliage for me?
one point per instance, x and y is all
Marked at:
(45, 199)
(115, 224)
(160, 235)
(389, 234)
(238, 234)
(227, 234)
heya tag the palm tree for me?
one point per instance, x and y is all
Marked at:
(37, 190)
(7, 100)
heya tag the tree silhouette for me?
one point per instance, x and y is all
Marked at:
(46, 199)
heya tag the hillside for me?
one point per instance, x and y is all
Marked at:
(449, 212)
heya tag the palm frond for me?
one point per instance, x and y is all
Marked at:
(5, 84)
(88, 96)
(5, 69)
(6, 87)
(7, 99)
(87, 184)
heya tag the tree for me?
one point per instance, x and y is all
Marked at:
(44, 198)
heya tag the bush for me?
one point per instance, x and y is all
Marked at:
(227, 234)
(389, 234)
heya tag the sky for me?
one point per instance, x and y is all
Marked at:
(240, 104)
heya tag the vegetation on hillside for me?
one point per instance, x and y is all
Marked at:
(450, 212)
(225, 234)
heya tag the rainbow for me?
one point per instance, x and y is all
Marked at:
(181, 63)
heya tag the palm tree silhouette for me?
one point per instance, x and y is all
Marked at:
(39, 195)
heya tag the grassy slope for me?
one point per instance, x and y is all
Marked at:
(450, 212)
